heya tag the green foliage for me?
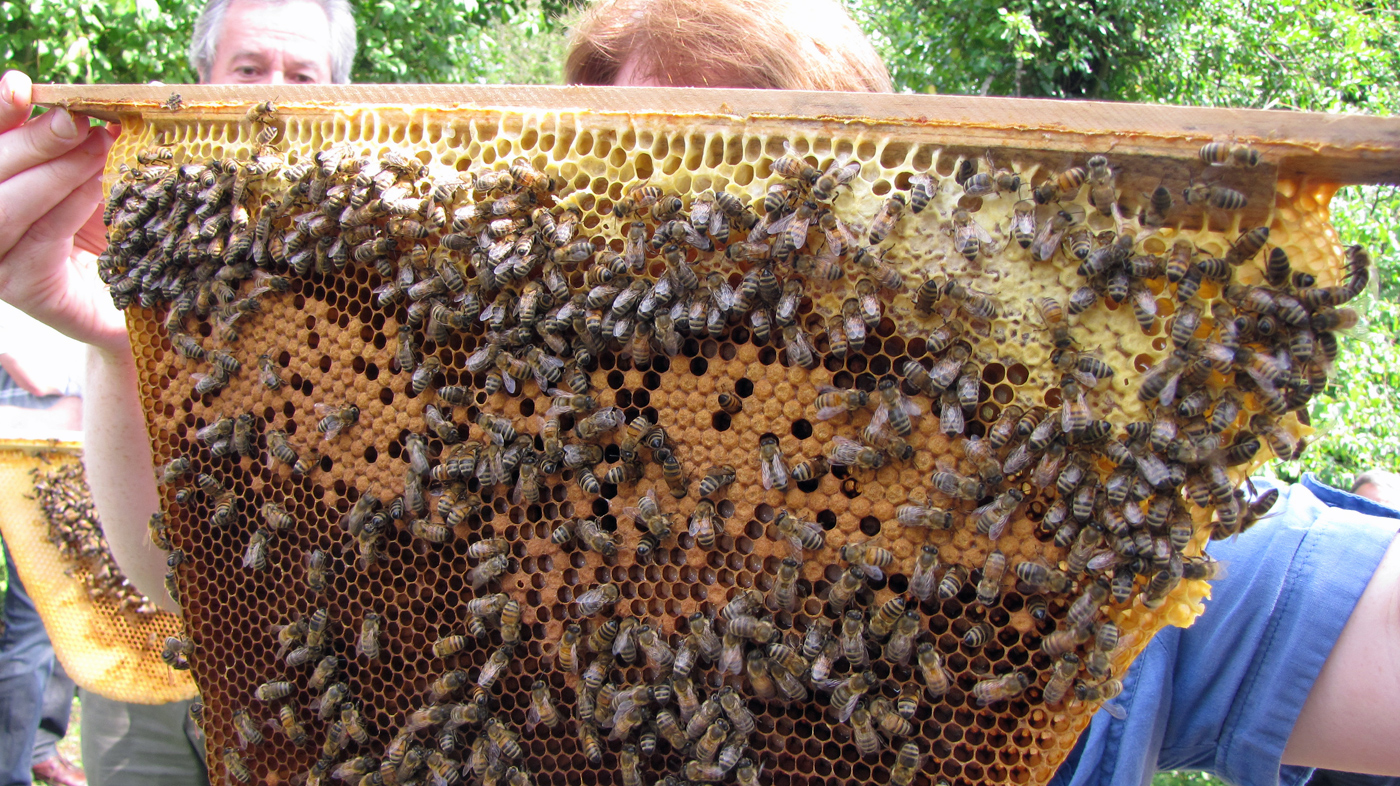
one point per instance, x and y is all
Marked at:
(1184, 778)
(90, 41)
(134, 41)
(459, 41)
(1052, 48)
(1317, 55)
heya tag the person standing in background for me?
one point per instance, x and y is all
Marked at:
(50, 182)
(40, 398)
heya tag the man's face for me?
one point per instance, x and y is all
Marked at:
(273, 44)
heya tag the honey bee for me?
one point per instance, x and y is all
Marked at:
(596, 538)
(272, 691)
(1247, 245)
(958, 486)
(921, 516)
(336, 419)
(567, 653)
(923, 581)
(906, 764)
(1066, 668)
(783, 596)
(1102, 692)
(255, 556)
(810, 470)
(1048, 238)
(487, 570)
(790, 164)
(901, 643)
(841, 172)
(716, 478)
(989, 588)
(1022, 228)
(798, 346)
(885, 220)
(730, 403)
(831, 402)
(839, 238)
(773, 468)
(799, 534)
(867, 740)
(1042, 578)
(592, 427)
(702, 524)
(870, 558)
(1229, 154)
(593, 601)
(842, 451)
(969, 236)
(793, 227)
(673, 473)
(1007, 686)
(233, 764)
(1215, 196)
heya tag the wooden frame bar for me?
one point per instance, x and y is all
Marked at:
(1342, 149)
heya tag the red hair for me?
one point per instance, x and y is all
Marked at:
(775, 44)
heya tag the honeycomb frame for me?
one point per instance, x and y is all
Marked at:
(333, 345)
(106, 645)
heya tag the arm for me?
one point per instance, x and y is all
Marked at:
(50, 227)
(117, 455)
(1351, 719)
(22, 378)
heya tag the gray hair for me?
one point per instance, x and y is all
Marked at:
(209, 27)
(1379, 478)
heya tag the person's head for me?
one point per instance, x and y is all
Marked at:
(1379, 486)
(776, 44)
(274, 42)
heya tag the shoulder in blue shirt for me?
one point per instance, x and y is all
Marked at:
(1223, 695)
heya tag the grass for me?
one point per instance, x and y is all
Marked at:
(1183, 778)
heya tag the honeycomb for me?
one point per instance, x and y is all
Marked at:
(557, 446)
(106, 634)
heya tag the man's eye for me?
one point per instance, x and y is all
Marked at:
(302, 79)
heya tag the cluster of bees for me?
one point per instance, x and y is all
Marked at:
(63, 496)
(500, 257)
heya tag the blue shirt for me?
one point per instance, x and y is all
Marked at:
(1223, 695)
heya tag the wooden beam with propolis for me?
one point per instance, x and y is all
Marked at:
(1340, 149)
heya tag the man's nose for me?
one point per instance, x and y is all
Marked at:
(277, 77)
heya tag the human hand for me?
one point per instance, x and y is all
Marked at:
(50, 197)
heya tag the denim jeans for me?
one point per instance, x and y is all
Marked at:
(36, 695)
